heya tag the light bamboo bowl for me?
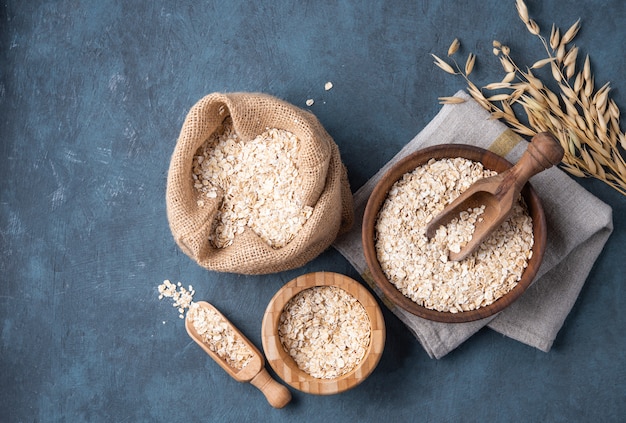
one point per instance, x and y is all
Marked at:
(282, 363)
(377, 198)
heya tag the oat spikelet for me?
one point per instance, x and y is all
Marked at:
(510, 76)
(555, 37)
(541, 63)
(532, 27)
(443, 65)
(571, 56)
(587, 69)
(507, 65)
(499, 97)
(469, 64)
(454, 47)
(571, 33)
(522, 11)
(497, 85)
(451, 100)
(556, 71)
(560, 53)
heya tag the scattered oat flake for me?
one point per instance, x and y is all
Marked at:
(182, 298)
(310, 102)
(328, 85)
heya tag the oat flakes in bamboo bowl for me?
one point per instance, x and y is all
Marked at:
(323, 333)
(414, 273)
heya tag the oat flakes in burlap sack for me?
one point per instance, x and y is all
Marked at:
(324, 186)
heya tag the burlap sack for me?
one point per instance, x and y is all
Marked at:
(325, 186)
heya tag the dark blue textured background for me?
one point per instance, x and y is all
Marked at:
(92, 97)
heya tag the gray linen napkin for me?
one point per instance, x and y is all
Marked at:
(578, 227)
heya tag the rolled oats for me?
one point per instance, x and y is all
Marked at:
(258, 182)
(325, 330)
(420, 268)
(217, 334)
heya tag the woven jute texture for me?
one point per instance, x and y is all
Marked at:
(323, 176)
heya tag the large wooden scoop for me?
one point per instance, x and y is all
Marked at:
(498, 193)
(254, 372)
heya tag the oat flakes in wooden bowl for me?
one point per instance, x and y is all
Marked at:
(323, 333)
(414, 273)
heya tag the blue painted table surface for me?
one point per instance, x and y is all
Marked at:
(92, 98)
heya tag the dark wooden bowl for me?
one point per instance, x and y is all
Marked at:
(490, 161)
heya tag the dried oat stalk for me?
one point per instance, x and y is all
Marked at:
(584, 119)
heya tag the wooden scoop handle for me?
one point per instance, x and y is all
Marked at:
(277, 395)
(543, 152)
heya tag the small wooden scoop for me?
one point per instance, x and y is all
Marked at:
(254, 372)
(498, 193)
